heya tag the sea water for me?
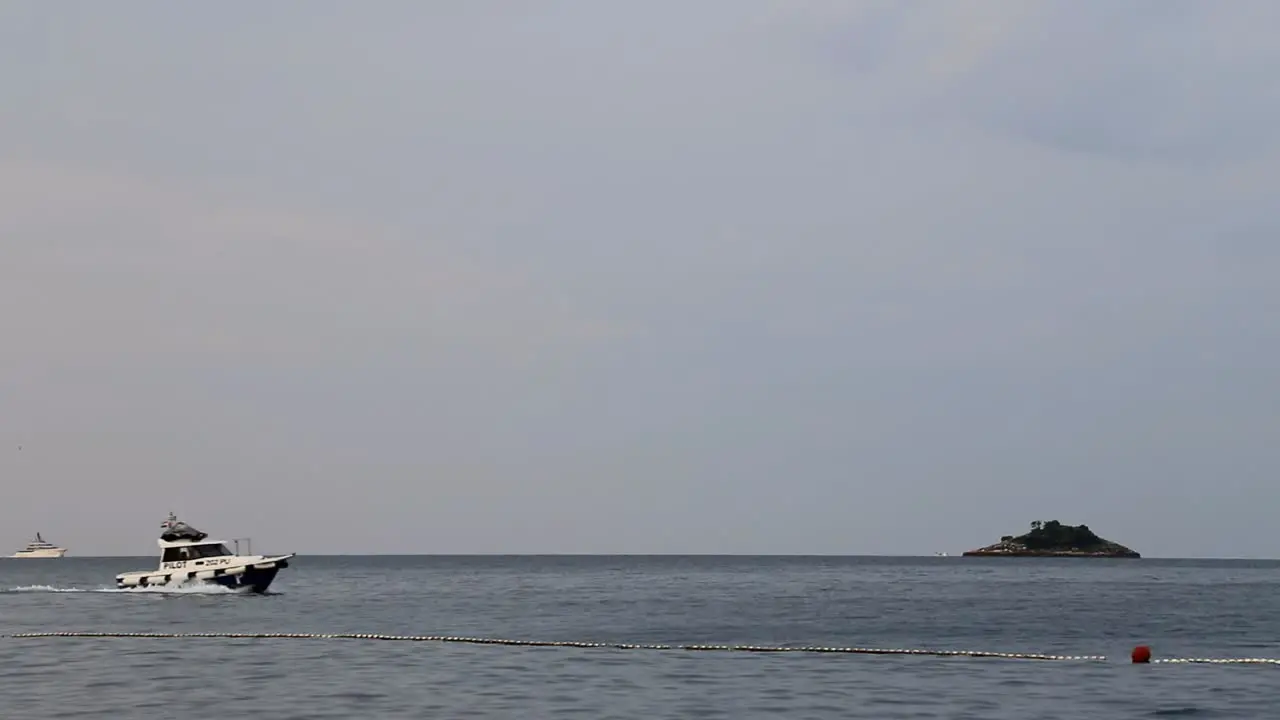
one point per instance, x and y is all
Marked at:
(1055, 606)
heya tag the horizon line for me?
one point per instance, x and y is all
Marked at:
(680, 554)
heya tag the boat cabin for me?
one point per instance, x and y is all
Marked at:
(180, 552)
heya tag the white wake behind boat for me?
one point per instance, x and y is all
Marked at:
(188, 556)
(38, 548)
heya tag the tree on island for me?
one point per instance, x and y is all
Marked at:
(1053, 534)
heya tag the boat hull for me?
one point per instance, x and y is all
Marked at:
(253, 581)
(253, 578)
(60, 552)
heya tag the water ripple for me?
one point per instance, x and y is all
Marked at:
(1072, 608)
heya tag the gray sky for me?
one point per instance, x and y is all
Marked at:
(750, 276)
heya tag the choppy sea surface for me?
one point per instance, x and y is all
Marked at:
(1056, 606)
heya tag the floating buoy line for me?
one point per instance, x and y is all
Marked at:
(1140, 655)
(557, 643)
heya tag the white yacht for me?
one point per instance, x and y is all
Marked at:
(187, 556)
(38, 548)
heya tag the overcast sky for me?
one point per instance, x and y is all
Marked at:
(725, 276)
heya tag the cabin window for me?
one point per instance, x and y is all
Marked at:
(209, 551)
(193, 552)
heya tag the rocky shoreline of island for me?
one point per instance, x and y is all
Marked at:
(1054, 539)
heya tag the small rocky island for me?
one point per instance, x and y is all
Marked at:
(1053, 539)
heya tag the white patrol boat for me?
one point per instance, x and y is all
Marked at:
(187, 556)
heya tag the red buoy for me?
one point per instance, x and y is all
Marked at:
(1141, 654)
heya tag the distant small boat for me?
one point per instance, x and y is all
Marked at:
(38, 548)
